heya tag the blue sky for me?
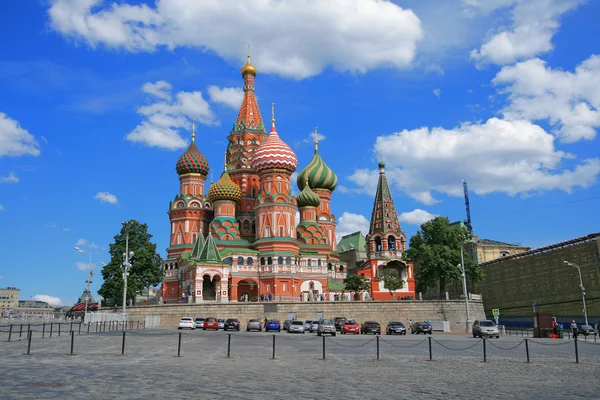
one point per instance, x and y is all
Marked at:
(97, 103)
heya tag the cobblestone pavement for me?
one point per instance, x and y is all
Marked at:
(151, 370)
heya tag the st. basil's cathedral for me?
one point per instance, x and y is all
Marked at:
(241, 241)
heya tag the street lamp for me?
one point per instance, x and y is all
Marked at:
(570, 264)
(126, 265)
(462, 268)
(88, 280)
(80, 250)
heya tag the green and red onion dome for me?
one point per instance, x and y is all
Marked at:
(317, 174)
(307, 198)
(225, 189)
(274, 153)
(192, 161)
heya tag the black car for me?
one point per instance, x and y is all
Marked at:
(394, 328)
(232, 324)
(370, 327)
(337, 322)
(421, 327)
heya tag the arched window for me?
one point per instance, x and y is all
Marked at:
(319, 262)
(249, 261)
(311, 285)
(341, 268)
(262, 261)
(329, 267)
(240, 260)
(391, 243)
(246, 225)
(253, 226)
(309, 262)
(269, 260)
(179, 238)
(279, 260)
(288, 261)
(377, 243)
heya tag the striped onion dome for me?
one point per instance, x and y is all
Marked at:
(192, 161)
(225, 189)
(317, 174)
(308, 198)
(274, 153)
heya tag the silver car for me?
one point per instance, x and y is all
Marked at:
(296, 327)
(485, 328)
(254, 325)
(221, 324)
(307, 325)
(326, 325)
(314, 327)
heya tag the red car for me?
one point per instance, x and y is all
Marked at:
(211, 323)
(350, 326)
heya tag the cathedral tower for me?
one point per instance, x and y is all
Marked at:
(224, 196)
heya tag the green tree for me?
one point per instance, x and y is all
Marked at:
(435, 252)
(145, 271)
(392, 280)
(356, 283)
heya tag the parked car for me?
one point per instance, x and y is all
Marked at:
(199, 322)
(221, 323)
(585, 330)
(314, 326)
(232, 324)
(254, 325)
(370, 327)
(296, 327)
(286, 324)
(326, 325)
(485, 328)
(394, 328)
(350, 326)
(186, 322)
(273, 325)
(338, 321)
(421, 327)
(307, 325)
(211, 323)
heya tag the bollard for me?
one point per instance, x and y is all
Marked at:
(273, 358)
(72, 343)
(484, 352)
(43, 330)
(51, 326)
(527, 349)
(20, 331)
(79, 333)
(28, 327)
(179, 346)
(228, 344)
(430, 352)
(377, 337)
(96, 326)
(138, 325)
(323, 349)
(123, 345)
(71, 328)
(9, 332)
(59, 329)
(576, 351)
(29, 335)
(88, 331)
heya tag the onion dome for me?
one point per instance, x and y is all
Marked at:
(192, 161)
(381, 164)
(225, 189)
(274, 153)
(248, 68)
(319, 175)
(308, 198)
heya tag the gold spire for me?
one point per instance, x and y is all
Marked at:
(225, 161)
(248, 68)
(193, 130)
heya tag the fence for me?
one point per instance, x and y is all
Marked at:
(104, 317)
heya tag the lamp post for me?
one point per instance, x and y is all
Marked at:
(126, 265)
(88, 280)
(462, 268)
(570, 264)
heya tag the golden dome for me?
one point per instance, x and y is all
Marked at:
(248, 68)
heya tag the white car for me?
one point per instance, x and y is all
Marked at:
(186, 322)
(485, 328)
(221, 324)
(296, 326)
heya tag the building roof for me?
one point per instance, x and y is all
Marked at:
(198, 246)
(274, 153)
(489, 242)
(552, 247)
(317, 173)
(192, 161)
(353, 241)
(225, 189)
(210, 253)
(249, 116)
(383, 217)
(335, 284)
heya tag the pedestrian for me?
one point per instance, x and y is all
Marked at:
(555, 327)
(574, 329)
(410, 323)
(262, 297)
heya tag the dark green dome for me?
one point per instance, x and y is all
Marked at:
(381, 164)
(319, 175)
(308, 198)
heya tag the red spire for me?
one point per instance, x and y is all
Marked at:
(249, 116)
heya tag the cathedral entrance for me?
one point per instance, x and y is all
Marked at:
(208, 288)
(247, 290)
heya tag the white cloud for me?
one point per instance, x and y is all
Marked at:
(570, 101)
(416, 217)
(437, 93)
(534, 23)
(349, 223)
(315, 136)
(52, 300)
(167, 115)
(231, 97)
(2, 208)
(66, 229)
(11, 178)
(84, 266)
(93, 246)
(81, 242)
(310, 34)
(512, 157)
(14, 140)
(106, 197)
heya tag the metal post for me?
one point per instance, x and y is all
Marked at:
(10, 332)
(126, 266)
(484, 352)
(229, 345)
(28, 327)
(582, 288)
(138, 324)
(88, 332)
(273, 358)
(123, 345)
(576, 351)
(79, 333)
(29, 335)
(51, 325)
(72, 342)
(71, 329)
(20, 331)
(59, 329)
(430, 352)
(323, 349)
(466, 294)
(527, 349)
(43, 330)
(377, 337)
(179, 346)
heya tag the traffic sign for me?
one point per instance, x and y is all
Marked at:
(533, 304)
(496, 312)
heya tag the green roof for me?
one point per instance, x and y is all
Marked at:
(353, 241)
(209, 253)
(198, 246)
(335, 284)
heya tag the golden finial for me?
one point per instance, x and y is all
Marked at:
(193, 130)
(273, 115)
(315, 136)
(225, 161)
(248, 68)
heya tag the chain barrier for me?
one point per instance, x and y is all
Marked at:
(550, 344)
(404, 347)
(352, 345)
(299, 340)
(463, 349)
(506, 348)
(590, 343)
